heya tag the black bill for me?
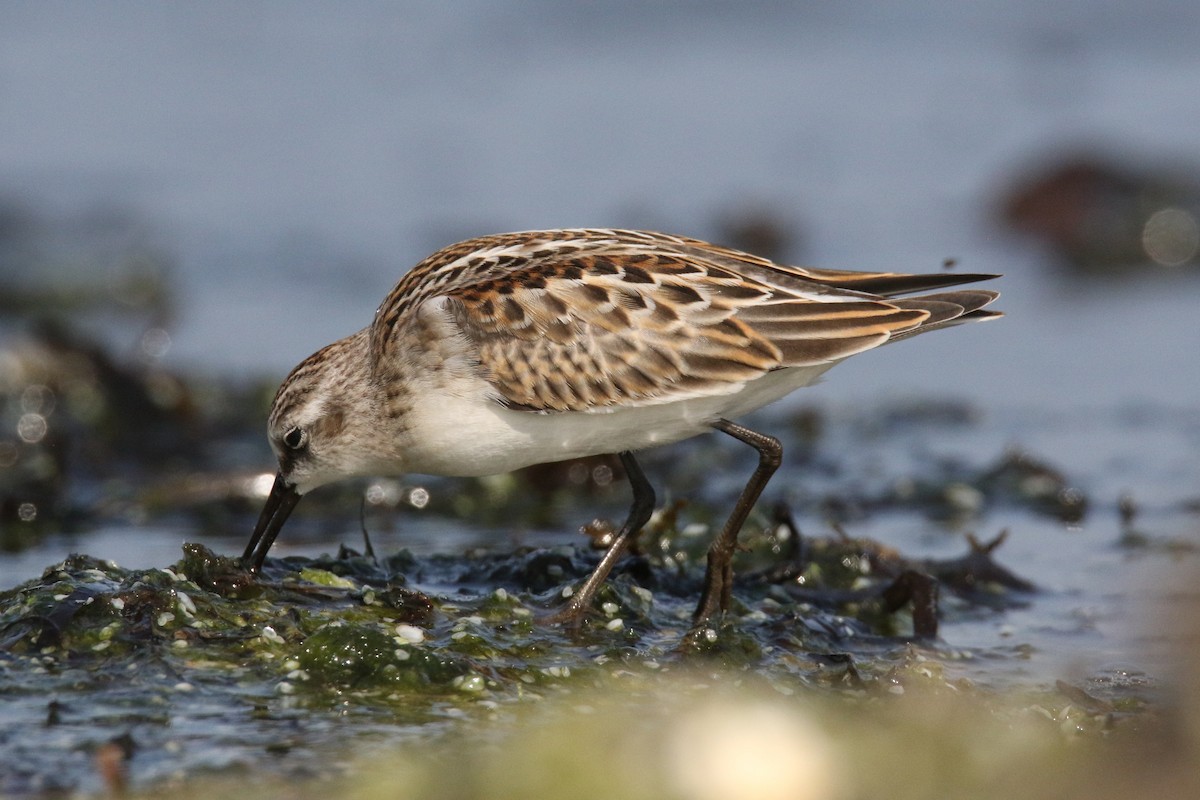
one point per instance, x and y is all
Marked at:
(280, 502)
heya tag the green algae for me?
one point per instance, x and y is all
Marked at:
(207, 668)
(357, 655)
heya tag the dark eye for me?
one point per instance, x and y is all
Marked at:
(295, 438)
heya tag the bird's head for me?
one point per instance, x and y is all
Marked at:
(321, 430)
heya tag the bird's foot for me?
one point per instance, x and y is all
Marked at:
(570, 615)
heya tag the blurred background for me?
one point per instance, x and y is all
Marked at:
(277, 167)
(193, 197)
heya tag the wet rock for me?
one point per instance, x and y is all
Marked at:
(1104, 215)
(1022, 478)
(960, 491)
(870, 581)
(71, 416)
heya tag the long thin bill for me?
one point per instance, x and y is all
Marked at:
(280, 502)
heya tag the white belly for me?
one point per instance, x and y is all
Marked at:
(470, 435)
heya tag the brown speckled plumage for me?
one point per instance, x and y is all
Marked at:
(576, 320)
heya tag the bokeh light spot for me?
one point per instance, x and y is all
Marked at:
(38, 399)
(418, 497)
(577, 473)
(383, 493)
(602, 475)
(32, 428)
(1171, 237)
(155, 344)
(260, 485)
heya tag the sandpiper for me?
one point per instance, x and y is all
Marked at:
(524, 348)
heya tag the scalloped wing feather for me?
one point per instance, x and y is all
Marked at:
(586, 320)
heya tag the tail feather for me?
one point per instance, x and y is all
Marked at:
(948, 308)
(890, 284)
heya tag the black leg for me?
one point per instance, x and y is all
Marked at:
(574, 609)
(718, 580)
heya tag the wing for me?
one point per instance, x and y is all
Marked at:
(588, 319)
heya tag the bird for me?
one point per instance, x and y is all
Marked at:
(515, 349)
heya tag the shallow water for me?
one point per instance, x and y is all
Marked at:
(286, 167)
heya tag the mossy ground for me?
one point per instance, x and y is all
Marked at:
(202, 671)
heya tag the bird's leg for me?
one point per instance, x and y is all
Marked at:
(573, 611)
(718, 579)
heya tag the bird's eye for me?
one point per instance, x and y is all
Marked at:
(295, 438)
